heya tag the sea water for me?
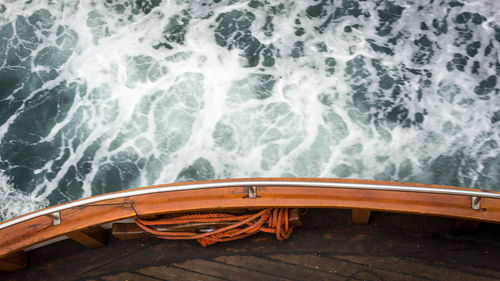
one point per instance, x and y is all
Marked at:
(100, 96)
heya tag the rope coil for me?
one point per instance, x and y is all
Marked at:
(244, 225)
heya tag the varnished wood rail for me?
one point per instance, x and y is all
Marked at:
(80, 222)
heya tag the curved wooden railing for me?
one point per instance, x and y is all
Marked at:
(70, 218)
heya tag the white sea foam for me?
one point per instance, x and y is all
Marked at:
(14, 202)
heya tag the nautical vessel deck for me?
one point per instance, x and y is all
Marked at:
(326, 247)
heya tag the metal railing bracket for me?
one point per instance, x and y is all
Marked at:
(252, 192)
(476, 203)
(56, 218)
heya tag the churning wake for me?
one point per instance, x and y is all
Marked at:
(99, 96)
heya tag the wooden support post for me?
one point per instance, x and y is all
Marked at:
(361, 216)
(92, 237)
(14, 262)
(294, 217)
(126, 231)
(459, 226)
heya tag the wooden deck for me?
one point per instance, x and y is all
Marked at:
(327, 247)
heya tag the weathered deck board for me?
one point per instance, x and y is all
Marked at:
(348, 269)
(277, 268)
(174, 273)
(225, 271)
(328, 246)
(417, 268)
(129, 276)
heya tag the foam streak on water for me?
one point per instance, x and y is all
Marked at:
(99, 96)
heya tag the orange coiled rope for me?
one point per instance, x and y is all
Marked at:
(244, 225)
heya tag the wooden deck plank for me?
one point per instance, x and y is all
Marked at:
(347, 269)
(224, 271)
(415, 268)
(128, 276)
(487, 272)
(68, 260)
(277, 268)
(175, 274)
(319, 263)
(459, 226)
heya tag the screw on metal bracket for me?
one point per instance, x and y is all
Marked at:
(476, 204)
(252, 192)
(56, 218)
